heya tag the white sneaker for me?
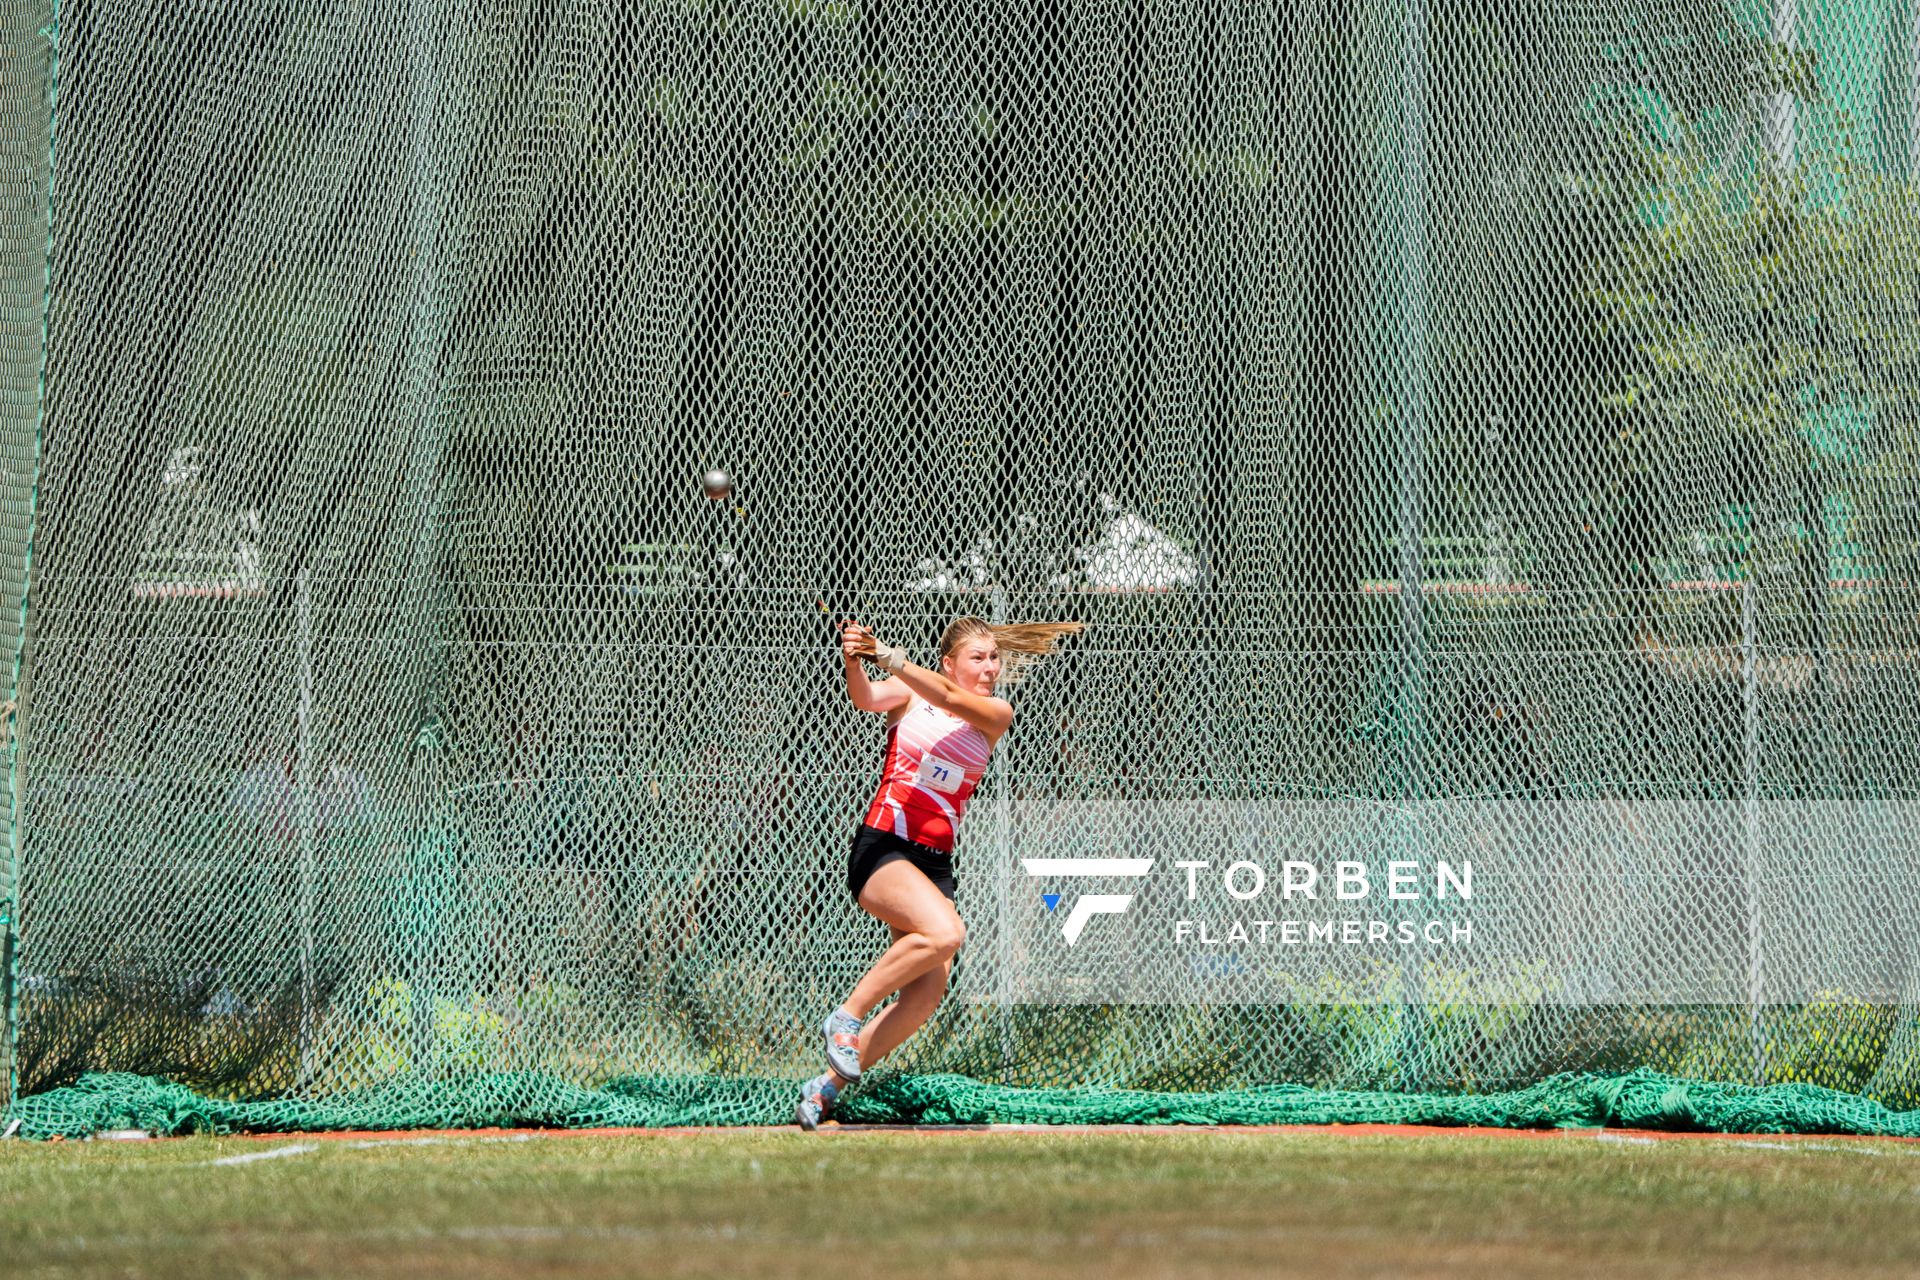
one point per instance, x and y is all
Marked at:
(817, 1097)
(842, 1033)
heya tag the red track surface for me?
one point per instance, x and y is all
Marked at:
(1340, 1130)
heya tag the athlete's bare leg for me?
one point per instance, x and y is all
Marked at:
(926, 930)
(890, 1027)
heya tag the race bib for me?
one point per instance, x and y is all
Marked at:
(940, 775)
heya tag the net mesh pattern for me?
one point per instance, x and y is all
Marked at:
(1460, 424)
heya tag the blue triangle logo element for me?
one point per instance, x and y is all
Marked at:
(1051, 899)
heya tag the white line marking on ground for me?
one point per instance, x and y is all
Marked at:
(1604, 1136)
(297, 1149)
(1752, 1142)
(442, 1142)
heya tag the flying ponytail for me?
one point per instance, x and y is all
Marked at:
(1021, 644)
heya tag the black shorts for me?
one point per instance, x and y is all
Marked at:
(874, 848)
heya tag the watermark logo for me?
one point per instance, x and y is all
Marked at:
(1087, 905)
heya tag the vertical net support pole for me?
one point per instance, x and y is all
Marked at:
(1750, 826)
(1913, 90)
(1003, 871)
(1782, 142)
(32, 239)
(1413, 427)
(303, 608)
(1783, 110)
(435, 883)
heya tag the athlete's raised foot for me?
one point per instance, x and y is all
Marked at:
(842, 1034)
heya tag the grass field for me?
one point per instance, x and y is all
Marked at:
(842, 1204)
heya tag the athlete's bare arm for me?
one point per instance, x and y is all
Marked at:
(868, 695)
(990, 716)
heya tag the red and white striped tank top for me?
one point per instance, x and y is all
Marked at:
(934, 761)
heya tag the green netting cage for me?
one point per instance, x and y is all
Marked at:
(1480, 437)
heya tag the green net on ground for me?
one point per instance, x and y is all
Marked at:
(1479, 438)
(1639, 1100)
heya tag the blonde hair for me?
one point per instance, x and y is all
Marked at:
(1021, 644)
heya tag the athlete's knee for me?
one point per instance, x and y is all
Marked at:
(947, 936)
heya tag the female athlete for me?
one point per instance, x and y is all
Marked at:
(941, 727)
